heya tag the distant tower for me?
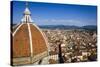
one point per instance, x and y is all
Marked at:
(29, 43)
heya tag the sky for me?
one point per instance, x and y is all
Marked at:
(55, 14)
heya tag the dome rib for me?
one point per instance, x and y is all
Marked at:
(30, 39)
(42, 35)
(17, 29)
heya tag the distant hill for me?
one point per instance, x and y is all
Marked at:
(90, 27)
(87, 27)
(58, 27)
(13, 24)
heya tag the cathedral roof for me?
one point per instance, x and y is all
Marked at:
(28, 41)
(28, 36)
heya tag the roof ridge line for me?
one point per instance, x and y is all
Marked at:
(17, 28)
(30, 39)
(43, 36)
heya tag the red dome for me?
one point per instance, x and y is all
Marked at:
(28, 42)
